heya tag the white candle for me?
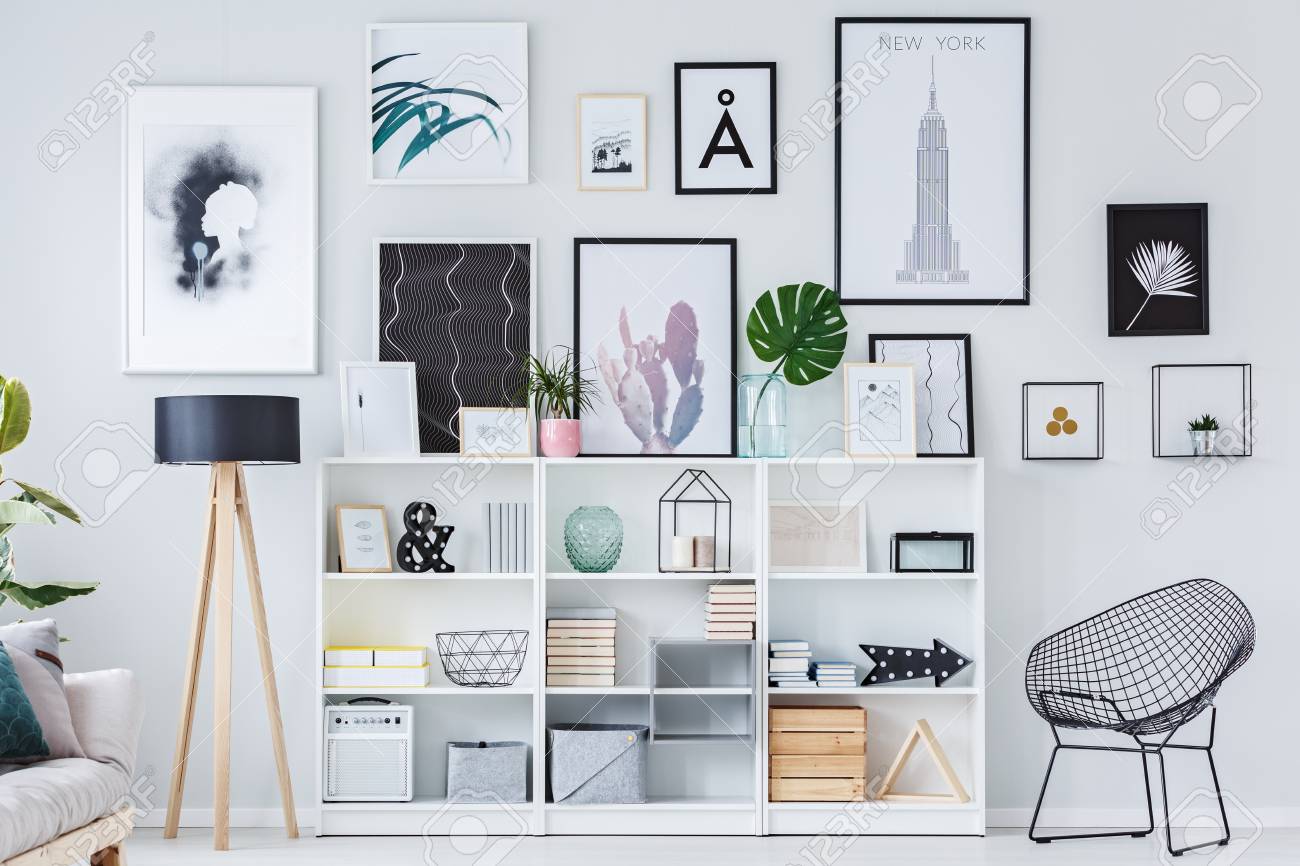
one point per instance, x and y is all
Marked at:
(683, 551)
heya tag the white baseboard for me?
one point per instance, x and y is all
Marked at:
(238, 818)
(1271, 816)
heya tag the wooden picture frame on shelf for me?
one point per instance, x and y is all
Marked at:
(879, 410)
(834, 537)
(497, 431)
(363, 561)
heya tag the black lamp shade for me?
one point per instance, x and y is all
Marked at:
(226, 428)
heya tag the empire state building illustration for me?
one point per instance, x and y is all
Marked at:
(931, 256)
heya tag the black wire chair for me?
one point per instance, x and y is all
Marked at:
(1143, 668)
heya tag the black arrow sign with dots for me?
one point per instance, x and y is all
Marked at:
(901, 664)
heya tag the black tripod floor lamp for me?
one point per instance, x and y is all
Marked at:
(226, 432)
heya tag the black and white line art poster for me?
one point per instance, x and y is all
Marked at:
(726, 128)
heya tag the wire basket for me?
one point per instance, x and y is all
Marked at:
(483, 659)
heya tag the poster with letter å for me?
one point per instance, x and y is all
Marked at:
(932, 166)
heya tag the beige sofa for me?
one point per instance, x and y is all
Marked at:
(71, 810)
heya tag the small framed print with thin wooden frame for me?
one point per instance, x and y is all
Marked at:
(879, 410)
(495, 432)
(817, 537)
(611, 143)
(363, 539)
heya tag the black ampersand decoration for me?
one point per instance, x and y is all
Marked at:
(421, 548)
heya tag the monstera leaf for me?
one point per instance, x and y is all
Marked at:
(802, 329)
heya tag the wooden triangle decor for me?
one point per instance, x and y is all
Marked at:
(922, 732)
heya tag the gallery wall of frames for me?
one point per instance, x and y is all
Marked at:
(679, 386)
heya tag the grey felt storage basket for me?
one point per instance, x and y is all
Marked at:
(486, 772)
(597, 763)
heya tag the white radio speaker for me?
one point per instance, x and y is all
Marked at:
(368, 753)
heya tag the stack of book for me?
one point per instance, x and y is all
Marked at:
(509, 537)
(580, 646)
(787, 664)
(730, 612)
(372, 667)
(835, 675)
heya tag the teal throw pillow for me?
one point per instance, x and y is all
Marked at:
(20, 732)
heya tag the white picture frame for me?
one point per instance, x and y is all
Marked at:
(379, 409)
(454, 366)
(230, 168)
(487, 431)
(490, 55)
(611, 142)
(879, 410)
(363, 539)
(817, 537)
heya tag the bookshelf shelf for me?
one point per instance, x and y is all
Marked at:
(708, 753)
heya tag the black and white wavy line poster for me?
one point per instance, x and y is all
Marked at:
(462, 312)
(941, 369)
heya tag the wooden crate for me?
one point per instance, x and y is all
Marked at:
(817, 754)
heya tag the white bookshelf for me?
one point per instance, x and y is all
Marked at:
(707, 762)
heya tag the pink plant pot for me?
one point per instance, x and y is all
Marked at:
(561, 437)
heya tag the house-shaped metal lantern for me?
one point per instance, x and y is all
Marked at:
(694, 511)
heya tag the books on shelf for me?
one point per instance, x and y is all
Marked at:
(778, 666)
(789, 646)
(731, 611)
(791, 654)
(580, 646)
(509, 537)
(835, 675)
(788, 665)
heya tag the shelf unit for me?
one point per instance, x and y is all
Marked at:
(707, 775)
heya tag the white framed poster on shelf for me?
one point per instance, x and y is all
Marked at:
(379, 409)
(817, 536)
(932, 165)
(447, 102)
(879, 410)
(220, 259)
(495, 432)
(612, 141)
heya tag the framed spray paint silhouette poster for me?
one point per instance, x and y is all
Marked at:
(726, 128)
(932, 165)
(220, 187)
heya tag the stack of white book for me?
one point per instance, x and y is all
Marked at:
(730, 612)
(835, 675)
(370, 667)
(580, 646)
(787, 664)
(509, 537)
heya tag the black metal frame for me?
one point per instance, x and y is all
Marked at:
(578, 244)
(839, 149)
(1203, 210)
(965, 340)
(1143, 668)
(1024, 418)
(1144, 749)
(967, 554)
(1247, 409)
(717, 497)
(677, 129)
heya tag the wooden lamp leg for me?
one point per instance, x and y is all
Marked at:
(223, 579)
(189, 692)
(264, 653)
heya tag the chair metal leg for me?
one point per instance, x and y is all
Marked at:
(1218, 793)
(1146, 780)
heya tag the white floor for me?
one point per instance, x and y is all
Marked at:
(269, 848)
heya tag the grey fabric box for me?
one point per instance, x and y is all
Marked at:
(597, 763)
(487, 772)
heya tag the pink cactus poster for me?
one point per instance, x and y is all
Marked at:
(654, 319)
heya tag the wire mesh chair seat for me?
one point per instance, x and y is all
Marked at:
(1144, 667)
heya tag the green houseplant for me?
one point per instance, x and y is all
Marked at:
(800, 328)
(1204, 432)
(555, 386)
(31, 505)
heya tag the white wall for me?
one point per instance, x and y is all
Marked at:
(1063, 540)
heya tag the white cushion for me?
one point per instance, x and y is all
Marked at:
(40, 802)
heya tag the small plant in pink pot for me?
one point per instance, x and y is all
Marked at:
(557, 389)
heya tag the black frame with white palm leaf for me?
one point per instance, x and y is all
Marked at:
(1157, 270)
